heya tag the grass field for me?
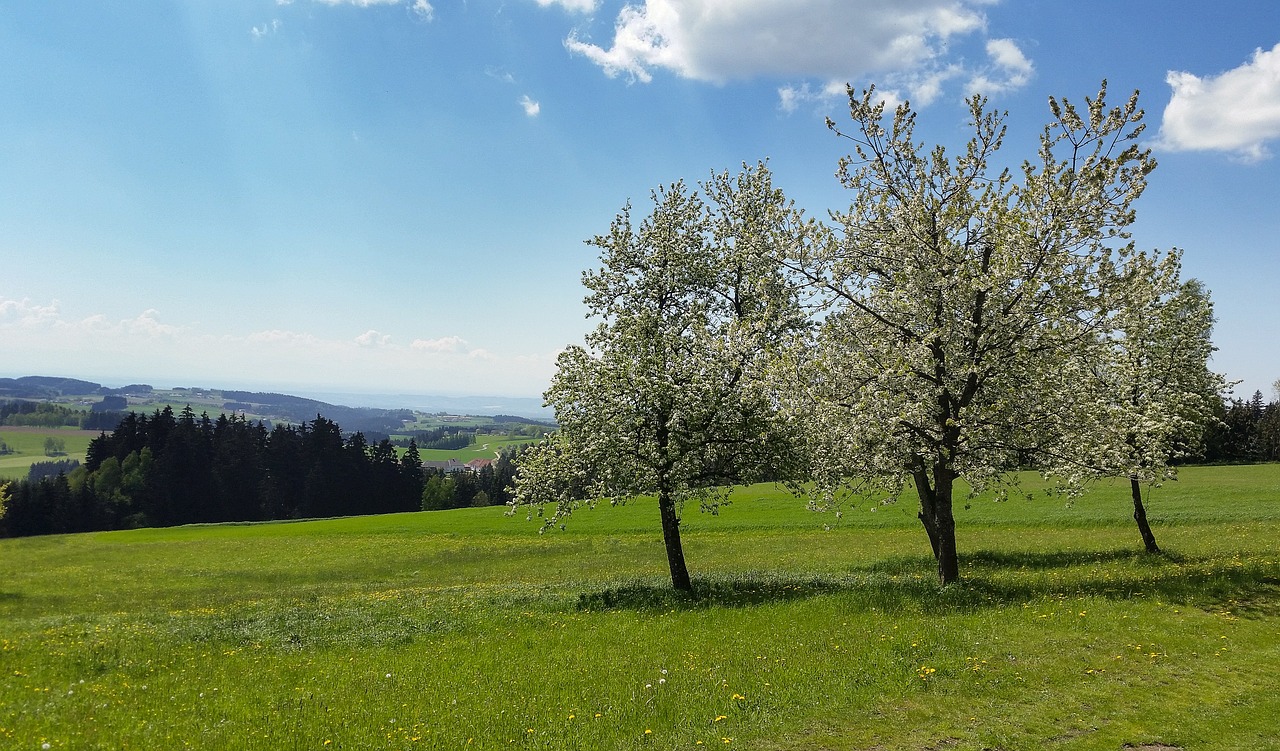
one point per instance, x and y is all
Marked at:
(467, 629)
(28, 448)
(484, 446)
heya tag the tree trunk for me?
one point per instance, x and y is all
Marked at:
(931, 529)
(945, 524)
(1140, 516)
(671, 536)
(927, 515)
(935, 514)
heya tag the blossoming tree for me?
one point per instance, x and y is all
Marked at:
(669, 396)
(961, 300)
(1151, 379)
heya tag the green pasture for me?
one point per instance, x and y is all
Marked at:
(423, 421)
(28, 448)
(469, 629)
(483, 447)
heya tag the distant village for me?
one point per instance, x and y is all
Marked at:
(450, 466)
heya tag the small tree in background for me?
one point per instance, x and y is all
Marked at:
(54, 446)
(1151, 380)
(668, 397)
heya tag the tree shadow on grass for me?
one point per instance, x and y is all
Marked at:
(1059, 558)
(1248, 586)
(990, 579)
(735, 592)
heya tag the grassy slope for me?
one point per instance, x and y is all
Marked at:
(484, 447)
(468, 629)
(28, 447)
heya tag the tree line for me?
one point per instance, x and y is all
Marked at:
(167, 469)
(1243, 431)
(25, 413)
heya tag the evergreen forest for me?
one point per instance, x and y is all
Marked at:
(170, 468)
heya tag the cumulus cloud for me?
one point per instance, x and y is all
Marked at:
(145, 345)
(148, 324)
(531, 107)
(1237, 111)
(834, 42)
(23, 313)
(372, 338)
(42, 320)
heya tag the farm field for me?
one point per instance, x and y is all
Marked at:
(468, 629)
(485, 446)
(28, 448)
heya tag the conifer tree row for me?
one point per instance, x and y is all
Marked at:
(167, 469)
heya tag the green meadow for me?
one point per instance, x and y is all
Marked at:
(469, 629)
(28, 447)
(485, 446)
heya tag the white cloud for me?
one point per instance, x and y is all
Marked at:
(144, 346)
(1237, 111)
(531, 107)
(827, 40)
(20, 317)
(576, 6)
(23, 313)
(448, 344)
(499, 74)
(148, 324)
(265, 29)
(372, 338)
(924, 86)
(424, 10)
(791, 97)
(1009, 69)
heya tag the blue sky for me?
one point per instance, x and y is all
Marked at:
(389, 196)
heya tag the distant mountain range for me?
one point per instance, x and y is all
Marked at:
(456, 405)
(52, 387)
